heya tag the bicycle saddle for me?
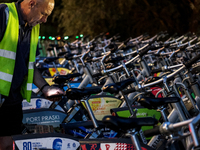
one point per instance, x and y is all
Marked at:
(52, 48)
(42, 67)
(69, 56)
(123, 124)
(130, 66)
(78, 94)
(113, 48)
(119, 86)
(113, 60)
(88, 59)
(98, 54)
(63, 78)
(195, 69)
(53, 45)
(110, 66)
(154, 103)
(50, 59)
(62, 53)
(97, 75)
(129, 47)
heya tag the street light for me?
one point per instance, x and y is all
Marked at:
(66, 37)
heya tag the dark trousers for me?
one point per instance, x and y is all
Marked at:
(11, 120)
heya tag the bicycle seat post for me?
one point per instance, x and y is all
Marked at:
(162, 111)
(57, 72)
(85, 101)
(76, 65)
(134, 139)
(126, 70)
(165, 84)
(128, 105)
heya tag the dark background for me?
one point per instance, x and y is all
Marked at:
(130, 18)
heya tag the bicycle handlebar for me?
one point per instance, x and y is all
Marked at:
(156, 70)
(129, 91)
(131, 40)
(118, 67)
(168, 127)
(160, 80)
(134, 52)
(192, 61)
(165, 68)
(152, 132)
(143, 52)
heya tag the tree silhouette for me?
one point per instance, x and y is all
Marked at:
(129, 18)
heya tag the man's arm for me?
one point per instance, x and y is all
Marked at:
(39, 81)
(4, 12)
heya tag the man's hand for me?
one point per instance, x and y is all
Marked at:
(51, 91)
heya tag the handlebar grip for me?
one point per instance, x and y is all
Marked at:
(75, 74)
(87, 36)
(125, 92)
(166, 45)
(97, 75)
(53, 45)
(143, 52)
(114, 48)
(100, 35)
(192, 61)
(152, 132)
(55, 96)
(156, 70)
(126, 41)
(62, 53)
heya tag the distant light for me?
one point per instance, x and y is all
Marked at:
(43, 37)
(66, 37)
(77, 37)
(50, 38)
(81, 35)
(53, 38)
(39, 37)
(58, 38)
(107, 33)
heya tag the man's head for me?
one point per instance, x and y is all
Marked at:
(38, 103)
(57, 144)
(36, 11)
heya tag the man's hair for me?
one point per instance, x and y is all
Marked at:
(55, 141)
(38, 2)
(19, 1)
(38, 100)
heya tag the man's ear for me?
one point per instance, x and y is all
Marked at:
(32, 3)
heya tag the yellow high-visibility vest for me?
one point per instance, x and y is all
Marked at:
(8, 49)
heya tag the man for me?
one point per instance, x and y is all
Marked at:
(57, 144)
(38, 103)
(19, 31)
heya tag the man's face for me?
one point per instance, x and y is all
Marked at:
(39, 13)
(58, 146)
(38, 104)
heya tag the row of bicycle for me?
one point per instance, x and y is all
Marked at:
(142, 81)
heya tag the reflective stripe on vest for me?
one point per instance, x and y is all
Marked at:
(6, 76)
(29, 86)
(7, 54)
(8, 48)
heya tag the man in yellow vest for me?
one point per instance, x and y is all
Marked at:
(19, 31)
